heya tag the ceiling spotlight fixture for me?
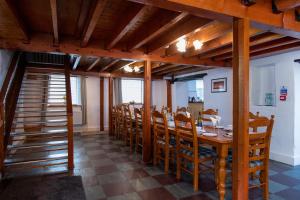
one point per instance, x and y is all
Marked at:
(197, 44)
(127, 68)
(136, 69)
(181, 45)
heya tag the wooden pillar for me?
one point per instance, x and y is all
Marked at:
(240, 64)
(101, 104)
(110, 103)
(147, 113)
(169, 95)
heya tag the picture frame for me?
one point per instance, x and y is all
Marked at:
(219, 85)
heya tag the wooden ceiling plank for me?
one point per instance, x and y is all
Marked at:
(92, 22)
(127, 22)
(173, 70)
(53, 4)
(76, 63)
(160, 23)
(263, 46)
(93, 64)
(217, 43)
(106, 67)
(121, 65)
(259, 39)
(181, 30)
(163, 68)
(84, 13)
(285, 5)
(9, 5)
(208, 32)
(188, 71)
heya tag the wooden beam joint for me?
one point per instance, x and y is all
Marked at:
(248, 2)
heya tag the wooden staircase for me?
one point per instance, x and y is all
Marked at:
(41, 137)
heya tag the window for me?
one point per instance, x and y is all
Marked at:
(57, 90)
(132, 90)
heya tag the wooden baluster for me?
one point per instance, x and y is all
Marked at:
(101, 104)
(110, 103)
(70, 115)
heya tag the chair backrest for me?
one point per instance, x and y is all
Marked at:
(253, 116)
(127, 117)
(186, 134)
(206, 114)
(165, 110)
(259, 142)
(160, 127)
(153, 108)
(138, 115)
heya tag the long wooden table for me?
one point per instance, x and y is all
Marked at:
(222, 145)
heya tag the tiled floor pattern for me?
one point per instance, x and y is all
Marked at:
(109, 171)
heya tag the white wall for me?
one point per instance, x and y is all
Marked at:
(285, 142)
(179, 95)
(159, 93)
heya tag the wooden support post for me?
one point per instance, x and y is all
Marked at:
(110, 103)
(101, 104)
(70, 115)
(240, 64)
(147, 113)
(169, 95)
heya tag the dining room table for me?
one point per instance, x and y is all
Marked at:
(222, 142)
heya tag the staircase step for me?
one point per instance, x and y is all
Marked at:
(36, 133)
(40, 107)
(40, 138)
(37, 116)
(37, 145)
(47, 111)
(44, 126)
(39, 80)
(53, 121)
(22, 161)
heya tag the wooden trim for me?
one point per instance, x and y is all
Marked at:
(70, 115)
(147, 152)
(110, 103)
(101, 104)
(169, 95)
(285, 5)
(240, 151)
(109, 65)
(92, 22)
(53, 4)
(93, 64)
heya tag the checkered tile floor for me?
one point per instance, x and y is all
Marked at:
(109, 171)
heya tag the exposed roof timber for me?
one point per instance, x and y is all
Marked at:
(284, 5)
(9, 6)
(248, 2)
(217, 43)
(93, 64)
(53, 4)
(41, 43)
(208, 32)
(190, 70)
(92, 21)
(263, 46)
(180, 30)
(255, 40)
(127, 21)
(161, 22)
(76, 63)
(106, 67)
(260, 14)
(116, 75)
(84, 13)
(118, 66)
(163, 68)
(173, 70)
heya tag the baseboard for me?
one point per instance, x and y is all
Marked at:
(287, 159)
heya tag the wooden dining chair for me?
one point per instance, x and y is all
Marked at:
(163, 149)
(188, 150)
(165, 109)
(181, 110)
(119, 122)
(259, 151)
(114, 121)
(206, 114)
(129, 132)
(138, 115)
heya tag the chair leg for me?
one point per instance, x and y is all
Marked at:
(167, 158)
(264, 179)
(196, 176)
(131, 142)
(178, 169)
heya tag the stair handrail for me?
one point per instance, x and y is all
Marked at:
(8, 100)
(69, 114)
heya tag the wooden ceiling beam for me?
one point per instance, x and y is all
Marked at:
(41, 43)
(248, 2)
(217, 43)
(92, 21)
(208, 32)
(106, 67)
(14, 14)
(173, 70)
(263, 46)
(161, 22)
(76, 63)
(255, 40)
(131, 17)
(54, 12)
(163, 68)
(93, 64)
(118, 66)
(183, 29)
(189, 70)
(83, 15)
(285, 5)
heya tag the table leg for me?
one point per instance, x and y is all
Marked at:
(222, 154)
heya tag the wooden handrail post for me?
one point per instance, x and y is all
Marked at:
(110, 103)
(169, 95)
(240, 64)
(101, 104)
(147, 113)
(70, 115)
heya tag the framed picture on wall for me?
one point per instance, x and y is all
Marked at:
(219, 85)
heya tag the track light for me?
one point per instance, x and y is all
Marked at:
(197, 44)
